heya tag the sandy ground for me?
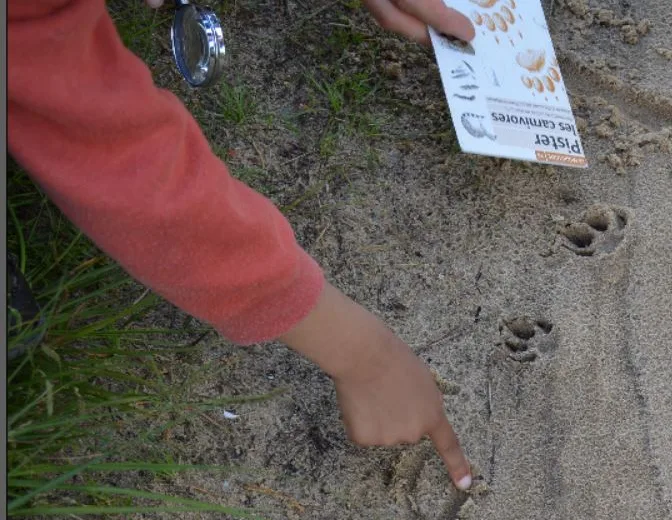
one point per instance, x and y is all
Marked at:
(541, 296)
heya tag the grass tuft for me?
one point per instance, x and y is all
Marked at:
(95, 375)
(236, 103)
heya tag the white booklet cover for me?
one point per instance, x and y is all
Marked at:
(504, 89)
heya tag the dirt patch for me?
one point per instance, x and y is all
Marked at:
(346, 128)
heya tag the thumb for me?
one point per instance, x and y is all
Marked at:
(454, 22)
(438, 15)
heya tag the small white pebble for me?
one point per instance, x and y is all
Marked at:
(229, 415)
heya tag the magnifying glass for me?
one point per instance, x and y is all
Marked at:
(198, 44)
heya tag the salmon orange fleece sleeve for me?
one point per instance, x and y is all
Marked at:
(127, 163)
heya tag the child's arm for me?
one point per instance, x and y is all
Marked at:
(129, 165)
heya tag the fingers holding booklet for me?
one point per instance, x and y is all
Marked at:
(411, 18)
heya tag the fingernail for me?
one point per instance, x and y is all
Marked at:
(464, 483)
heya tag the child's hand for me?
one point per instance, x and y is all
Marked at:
(410, 18)
(398, 402)
(387, 395)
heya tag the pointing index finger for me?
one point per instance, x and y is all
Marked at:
(448, 446)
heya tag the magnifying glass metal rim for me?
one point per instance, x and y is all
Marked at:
(212, 66)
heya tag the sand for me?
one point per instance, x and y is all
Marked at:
(541, 296)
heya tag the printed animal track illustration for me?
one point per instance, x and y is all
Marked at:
(542, 76)
(473, 123)
(497, 17)
(451, 42)
(526, 338)
(601, 230)
(462, 71)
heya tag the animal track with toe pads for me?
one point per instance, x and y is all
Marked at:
(601, 230)
(526, 338)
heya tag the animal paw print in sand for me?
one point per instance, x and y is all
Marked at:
(600, 231)
(526, 338)
(542, 77)
(498, 17)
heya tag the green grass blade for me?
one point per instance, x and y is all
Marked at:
(20, 238)
(188, 503)
(80, 281)
(15, 504)
(102, 510)
(17, 370)
(50, 424)
(93, 294)
(130, 311)
(59, 259)
(50, 397)
(132, 332)
(21, 413)
(44, 446)
(41, 469)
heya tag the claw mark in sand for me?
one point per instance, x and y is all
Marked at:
(420, 485)
(406, 472)
(526, 338)
(600, 231)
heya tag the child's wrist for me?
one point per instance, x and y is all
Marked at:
(344, 339)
